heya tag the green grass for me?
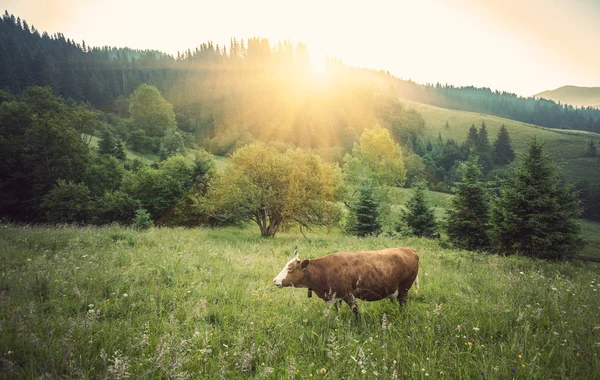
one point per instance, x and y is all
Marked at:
(131, 155)
(199, 303)
(567, 147)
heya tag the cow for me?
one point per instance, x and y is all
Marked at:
(348, 276)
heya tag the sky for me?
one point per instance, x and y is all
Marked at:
(520, 46)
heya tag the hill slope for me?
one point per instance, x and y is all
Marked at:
(567, 146)
(577, 96)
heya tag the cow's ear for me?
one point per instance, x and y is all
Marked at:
(304, 264)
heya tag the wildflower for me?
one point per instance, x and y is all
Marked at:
(513, 370)
(482, 373)
(441, 373)
(519, 356)
(523, 365)
(323, 371)
(363, 371)
(125, 294)
(521, 273)
(470, 344)
(476, 328)
(310, 375)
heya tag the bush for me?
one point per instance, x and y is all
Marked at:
(142, 220)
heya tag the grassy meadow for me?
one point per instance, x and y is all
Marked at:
(113, 302)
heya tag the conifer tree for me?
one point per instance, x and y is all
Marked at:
(467, 220)
(593, 150)
(536, 211)
(119, 150)
(419, 214)
(472, 139)
(365, 213)
(107, 143)
(483, 148)
(503, 151)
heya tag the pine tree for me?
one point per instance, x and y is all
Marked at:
(503, 151)
(536, 212)
(365, 213)
(472, 139)
(467, 220)
(593, 150)
(119, 150)
(484, 148)
(419, 214)
(107, 143)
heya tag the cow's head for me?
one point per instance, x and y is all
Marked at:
(293, 273)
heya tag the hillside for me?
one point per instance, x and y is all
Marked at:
(577, 96)
(568, 146)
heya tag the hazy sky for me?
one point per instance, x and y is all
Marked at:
(522, 46)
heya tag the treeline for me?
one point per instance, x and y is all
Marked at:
(49, 173)
(543, 112)
(223, 98)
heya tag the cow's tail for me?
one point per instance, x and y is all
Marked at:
(417, 284)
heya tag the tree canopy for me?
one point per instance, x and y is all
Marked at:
(272, 188)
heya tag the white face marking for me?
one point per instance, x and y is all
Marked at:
(394, 295)
(278, 280)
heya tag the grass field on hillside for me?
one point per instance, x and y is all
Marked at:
(115, 303)
(131, 155)
(567, 147)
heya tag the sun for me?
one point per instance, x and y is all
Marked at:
(318, 63)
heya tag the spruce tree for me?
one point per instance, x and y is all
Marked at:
(365, 213)
(472, 139)
(483, 147)
(503, 151)
(467, 220)
(593, 150)
(536, 212)
(107, 143)
(419, 214)
(119, 150)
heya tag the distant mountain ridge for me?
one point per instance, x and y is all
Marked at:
(576, 96)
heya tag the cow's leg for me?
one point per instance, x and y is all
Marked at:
(351, 301)
(402, 297)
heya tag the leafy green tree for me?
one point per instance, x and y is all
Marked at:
(419, 214)
(114, 206)
(171, 144)
(378, 152)
(67, 202)
(536, 212)
(105, 173)
(160, 189)
(272, 188)
(150, 112)
(467, 219)
(192, 209)
(39, 144)
(503, 152)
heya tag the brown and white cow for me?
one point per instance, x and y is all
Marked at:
(348, 276)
